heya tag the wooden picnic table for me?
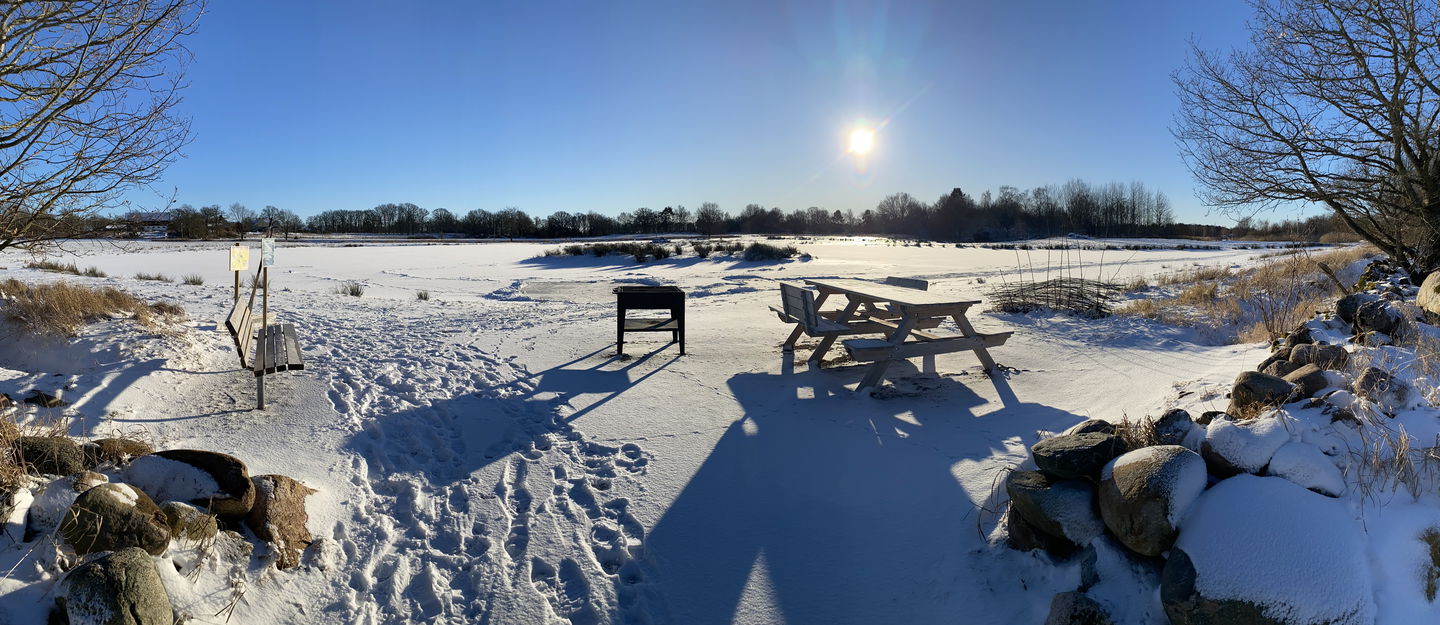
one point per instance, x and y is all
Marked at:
(900, 314)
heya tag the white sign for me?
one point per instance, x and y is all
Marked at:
(239, 258)
(267, 252)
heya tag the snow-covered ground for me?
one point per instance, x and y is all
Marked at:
(485, 457)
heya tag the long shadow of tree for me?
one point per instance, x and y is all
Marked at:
(845, 499)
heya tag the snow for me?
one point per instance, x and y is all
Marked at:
(51, 505)
(12, 522)
(165, 480)
(485, 456)
(1307, 466)
(1255, 538)
(1247, 444)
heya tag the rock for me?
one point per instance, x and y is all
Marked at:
(1376, 339)
(1076, 456)
(1308, 380)
(323, 554)
(1254, 390)
(50, 455)
(44, 400)
(1348, 305)
(1092, 425)
(279, 517)
(188, 522)
(1381, 388)
(14, 507)
(1233, 447)
(115, 516)
(1172, 427)
(1022, 536)
(1323, 356)
(1377, 316)
(116, 451)
(1307, 466)
(54, 502)
(216, 482)
(1208, 416)
(120, 588)
(1262, 550)
(1074, 608)
(1060, 508)
(1428, 299)
(1144, 494)
(1299, 336)
(1279, 368)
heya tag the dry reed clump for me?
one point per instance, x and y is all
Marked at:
(61, 308)
(1254, 304)
(12, 465)
(1089, 298)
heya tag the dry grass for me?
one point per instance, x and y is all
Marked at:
(157, 277)
(49, 265)
(422, 295)
(61, 308)
(45, 423)
(1254, 304)
(351, 288)
(193, 279)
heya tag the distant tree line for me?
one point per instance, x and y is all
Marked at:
(1110, 210)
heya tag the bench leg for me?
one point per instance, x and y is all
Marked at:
(968, 330)
(874, 376)
(789, 345)
(620, 332)
(819, 355)
(259, 392)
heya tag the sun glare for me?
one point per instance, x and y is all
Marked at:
(862, 140)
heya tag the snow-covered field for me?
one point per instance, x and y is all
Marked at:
(484, 457)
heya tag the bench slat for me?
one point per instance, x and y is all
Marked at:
(292, 348)
(651, 325)
(870, 350)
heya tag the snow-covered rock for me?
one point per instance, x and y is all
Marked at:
(1060, 508)
(1144, 493)
(1242, 446)
(1264, 550)
(214, 481)
(53, 502)
(1076, 456)
(1253, 388)
(120, 588)
(114, 516)
(1307, 466)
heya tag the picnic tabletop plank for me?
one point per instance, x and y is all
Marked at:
(902, 296)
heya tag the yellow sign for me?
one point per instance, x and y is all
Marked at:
(239, 258)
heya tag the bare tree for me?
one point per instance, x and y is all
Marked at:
(242, 217)
(89, 92)
(1336, 102)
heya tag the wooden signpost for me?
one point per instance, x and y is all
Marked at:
(267, 258)
(239, 261)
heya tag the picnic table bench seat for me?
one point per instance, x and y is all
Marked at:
(872, 350)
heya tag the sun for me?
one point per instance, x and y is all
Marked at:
(862, 140)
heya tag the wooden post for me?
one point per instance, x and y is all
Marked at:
(237, 283)
(264, 277)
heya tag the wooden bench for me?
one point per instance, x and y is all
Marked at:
(871, 350)
(266, 350)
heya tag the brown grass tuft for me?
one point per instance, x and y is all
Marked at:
(61, 309)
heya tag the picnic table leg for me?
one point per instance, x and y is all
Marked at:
(620, 332)
(789, 345)
(876, 373)
(826, 342)
(968, 330)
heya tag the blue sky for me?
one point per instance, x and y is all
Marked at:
(610, 106)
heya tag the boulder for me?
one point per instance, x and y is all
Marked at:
(50, 455)
(1208, 416)
(188, 522)
(42, 399)
(1299, 336)
(1262, 550)
(1381, 388)
(1144, 494)
(1428, 299)
(1233, 447)
(279, 517)
(1254, 390)
(1308, 380)
(53, 503)
(1172, 427)
(1279, 368)
(1092, 425)
(116, 451)
(1076, 456)
(1377, 316)
(1323, 356)
(1060, 508)
(1075, 608)
(115, 516)
(216, 482)
(1020, 535)
(1350, 304)
(120, 588)
(1305, 465)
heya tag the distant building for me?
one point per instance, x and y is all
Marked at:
(151, 225)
